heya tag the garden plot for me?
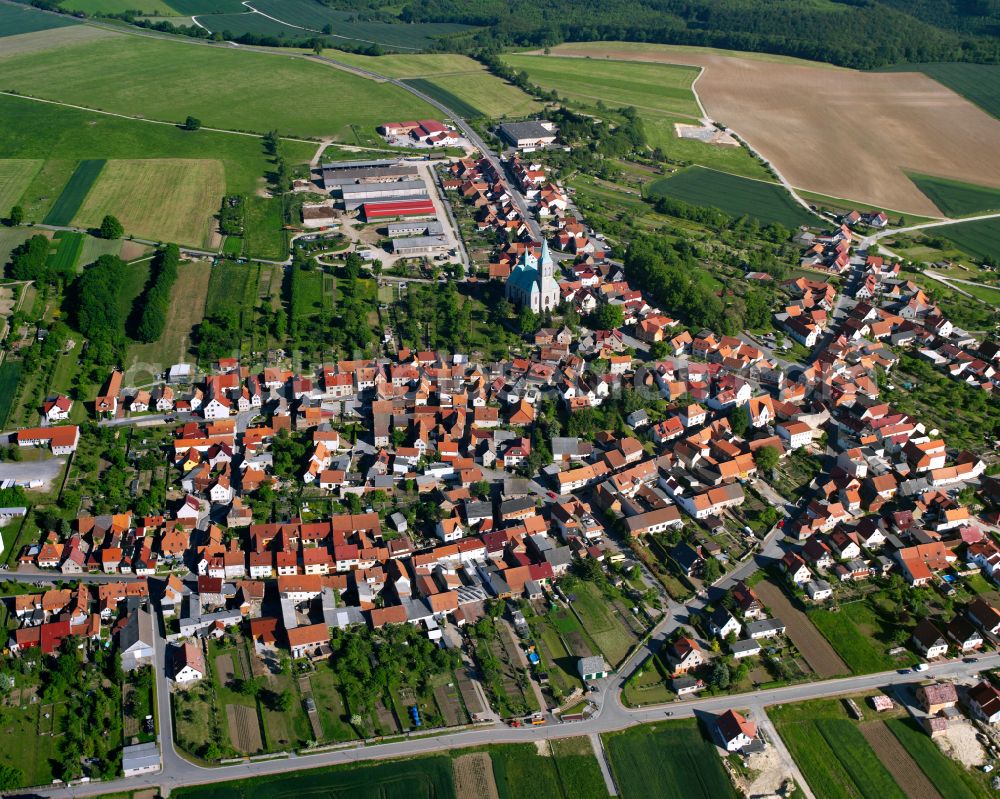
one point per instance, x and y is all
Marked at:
(244, 729)
(817, 651)
(474, 776)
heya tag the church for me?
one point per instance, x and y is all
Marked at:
(531, 283)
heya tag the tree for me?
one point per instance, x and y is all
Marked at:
(10, 777)
(711, 571)
(720, 675)
(609, 316)
(192, 123)
(527, 320)
(739, 420)
(16, 215)
(766, 459)
(111, 228)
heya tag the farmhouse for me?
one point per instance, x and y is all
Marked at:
(61, 440)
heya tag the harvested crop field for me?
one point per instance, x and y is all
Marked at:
(805, 119)
(898, 761)
(244, 730)
(474, 777)
(817, 651)
(166, 199)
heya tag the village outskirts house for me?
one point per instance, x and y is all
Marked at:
(592, 668)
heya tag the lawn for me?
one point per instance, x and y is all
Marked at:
(167, 80)
(831, 751)
(186, 310)
(16, 18)
(736, 196)
(978, 83)
(94, 248)
(311, 296)
(410, 65)
(672, 760)
(661, 93)
(75, 192)
(169, 200)
(980, 239)
(955, 198)
(948, 776)
(16, 175)
(418, 778)
(860, 635)
(21, 745)
(436, 91)
(264, 235)
(228, 289)
(602, 623)
(330, 706)
(495, 98)
(64, 136)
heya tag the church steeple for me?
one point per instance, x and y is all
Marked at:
(544, 264)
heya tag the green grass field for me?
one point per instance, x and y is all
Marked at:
(63, 136)
(265, 237)
(171, 200)
(16, 18)
(10, 375)
(15, 176)
(979, 239)
(979, 83)
(75, 192)
(602, 623)
(955, 198)
(69, 247)
(660, 89)
(419, 778)
(409, 65)
(227, 288)
(442, 95)
(859, 635)
(579, 774)
(834, 756)
(166, 80)
(733, 195)
(672, 760)
(304, 19)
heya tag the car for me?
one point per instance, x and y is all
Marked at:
(781, 524)
(970, 660)
(921, 667)
(552, 494)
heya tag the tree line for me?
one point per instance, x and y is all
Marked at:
(149, 314)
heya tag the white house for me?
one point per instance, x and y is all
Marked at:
(734, 731)
(189, 663)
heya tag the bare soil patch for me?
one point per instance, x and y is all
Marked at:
(959, 742)
(225, 669)
(837, 131)
(244, 729)
(821, 657)
(898, 761)
(474, 777)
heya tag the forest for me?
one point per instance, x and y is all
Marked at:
(856, 33)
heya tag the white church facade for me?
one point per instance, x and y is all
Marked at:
(531, 283)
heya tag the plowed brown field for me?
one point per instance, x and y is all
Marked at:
(898, 761)
(837, 131)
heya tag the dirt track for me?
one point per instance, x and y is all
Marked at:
(898, 761)
(837, 131)
(817, 651)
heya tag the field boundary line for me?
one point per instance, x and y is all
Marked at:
(602, 760)
(862, 202)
